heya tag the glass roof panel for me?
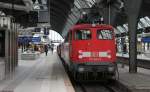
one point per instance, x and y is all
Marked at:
(144, 22)
(70, 21)
(71, 17)
(139, 26)
(121, 29)
(81, 4)
(125, 26)
(75, 11)
(90, 2)
(116, 31)
(147, 20)
(77, 5)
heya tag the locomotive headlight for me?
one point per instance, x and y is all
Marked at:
(80, 57)
(111, 69)
(109, 56)
(80, 54)
(80, 69)
(80, 51)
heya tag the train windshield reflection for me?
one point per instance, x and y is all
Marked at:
(104, 34)
(83, 34)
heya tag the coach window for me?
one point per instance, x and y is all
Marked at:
(104, 34)
(83, 34)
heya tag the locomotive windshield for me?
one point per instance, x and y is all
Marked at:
(104, 34)
(83, 34)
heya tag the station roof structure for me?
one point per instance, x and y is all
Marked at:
(65, 13)
(24, 12)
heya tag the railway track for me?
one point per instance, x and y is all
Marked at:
(140, 62)
(92, 87)
(96, 86)
(112, 86)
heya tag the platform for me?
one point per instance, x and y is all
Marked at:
(45, 74)
(2, 68)
(139, 82)
(139, 56)
(30, 55)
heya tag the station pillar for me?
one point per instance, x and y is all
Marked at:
(133, 9)
(109, 14)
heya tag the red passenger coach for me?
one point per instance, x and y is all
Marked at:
(90, 50)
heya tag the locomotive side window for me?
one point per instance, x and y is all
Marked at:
(104, 34)
(83, 34)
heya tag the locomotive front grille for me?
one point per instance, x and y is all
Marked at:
(93, 68)
(96, 67)
(98, 63)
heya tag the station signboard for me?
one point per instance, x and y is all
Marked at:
(36, 39)
(146, 39)
(24, 40)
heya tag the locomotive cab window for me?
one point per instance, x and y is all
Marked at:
(83, 34)
(105, 34)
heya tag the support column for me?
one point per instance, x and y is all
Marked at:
(133, 9)
(108, 15)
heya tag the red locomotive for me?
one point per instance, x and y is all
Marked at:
(89, 50)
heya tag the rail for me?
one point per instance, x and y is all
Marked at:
(96, 86)
(111, 86)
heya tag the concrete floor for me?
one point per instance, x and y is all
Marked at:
(45, 74)
(137, 82)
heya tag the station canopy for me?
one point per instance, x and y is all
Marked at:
(64, 14)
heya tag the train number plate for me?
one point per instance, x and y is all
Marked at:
(95, 54)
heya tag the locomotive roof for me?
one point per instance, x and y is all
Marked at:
(81, 26)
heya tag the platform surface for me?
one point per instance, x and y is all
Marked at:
(139, 56)
(138, 82)
(45, 74)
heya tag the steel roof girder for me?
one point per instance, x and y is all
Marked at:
(56, 16)
(57, 13)
(62, 2)
(55, 6)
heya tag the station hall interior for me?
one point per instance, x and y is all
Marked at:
(74, 46)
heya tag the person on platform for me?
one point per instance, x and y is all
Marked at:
(46, 49)
(124, 48)
(52, 48)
